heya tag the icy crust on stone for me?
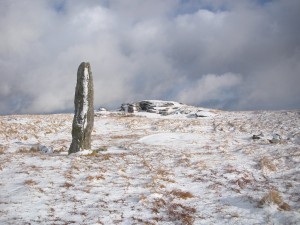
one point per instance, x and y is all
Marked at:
(81, 114)
(85, 92)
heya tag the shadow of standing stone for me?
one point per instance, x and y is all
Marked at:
(83, 121)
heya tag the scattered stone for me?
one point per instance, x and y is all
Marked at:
(41, 148)
(276, 139)
(102, 109)
(202, 113)
(255, 137)
(46, 150)
(83, 121)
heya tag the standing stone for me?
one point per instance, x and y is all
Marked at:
(83, 121)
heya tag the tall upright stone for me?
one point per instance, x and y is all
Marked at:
(83, 121)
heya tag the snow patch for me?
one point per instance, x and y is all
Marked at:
(172, 139)
(171, 170)
(83, 152)
(114, 150)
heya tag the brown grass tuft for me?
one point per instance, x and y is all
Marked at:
(181, 194)
(266, 163)
(93, 154)
(96, 152)
(90, 178)
(273, 197)
(157, 205)
(2, 149)
(245, 180)
(128, 136)
(181, 213)
(68, 175)
(106, 156)
(68, 185)
(35, 148)
(30, 182)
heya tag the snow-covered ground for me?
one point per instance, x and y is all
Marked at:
(146, 168)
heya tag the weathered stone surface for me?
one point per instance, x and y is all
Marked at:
(83, 121)
(152, 106)
(130, 107)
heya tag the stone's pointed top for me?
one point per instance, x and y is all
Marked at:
(83, 70)
(84, 64)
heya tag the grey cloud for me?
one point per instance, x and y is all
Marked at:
(211, 87)
(232, 55)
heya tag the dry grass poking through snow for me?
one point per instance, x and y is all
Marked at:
(273, 197)
(267, 164)
(30, 182)
(152, 170)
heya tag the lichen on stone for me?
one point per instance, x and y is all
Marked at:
(84, 109)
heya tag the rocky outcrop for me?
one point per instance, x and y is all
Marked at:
(160, 107)
(131, 107)
(165, 108)
(83, 121)
(151, 106)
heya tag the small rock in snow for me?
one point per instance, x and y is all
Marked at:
(41, 148)
(257, 136)
(276, 139)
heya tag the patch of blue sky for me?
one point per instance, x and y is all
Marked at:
(263, 2)
(192, 6)
(59, 6)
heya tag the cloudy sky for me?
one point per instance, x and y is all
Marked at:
(226, 54)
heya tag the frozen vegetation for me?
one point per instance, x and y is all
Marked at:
(175, 164)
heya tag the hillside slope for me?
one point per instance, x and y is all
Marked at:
(147, 168)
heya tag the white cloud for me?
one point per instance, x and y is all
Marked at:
(93, 19)
(190, 51)
(211, 87)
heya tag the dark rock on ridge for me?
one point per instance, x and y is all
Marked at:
(131, 107)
